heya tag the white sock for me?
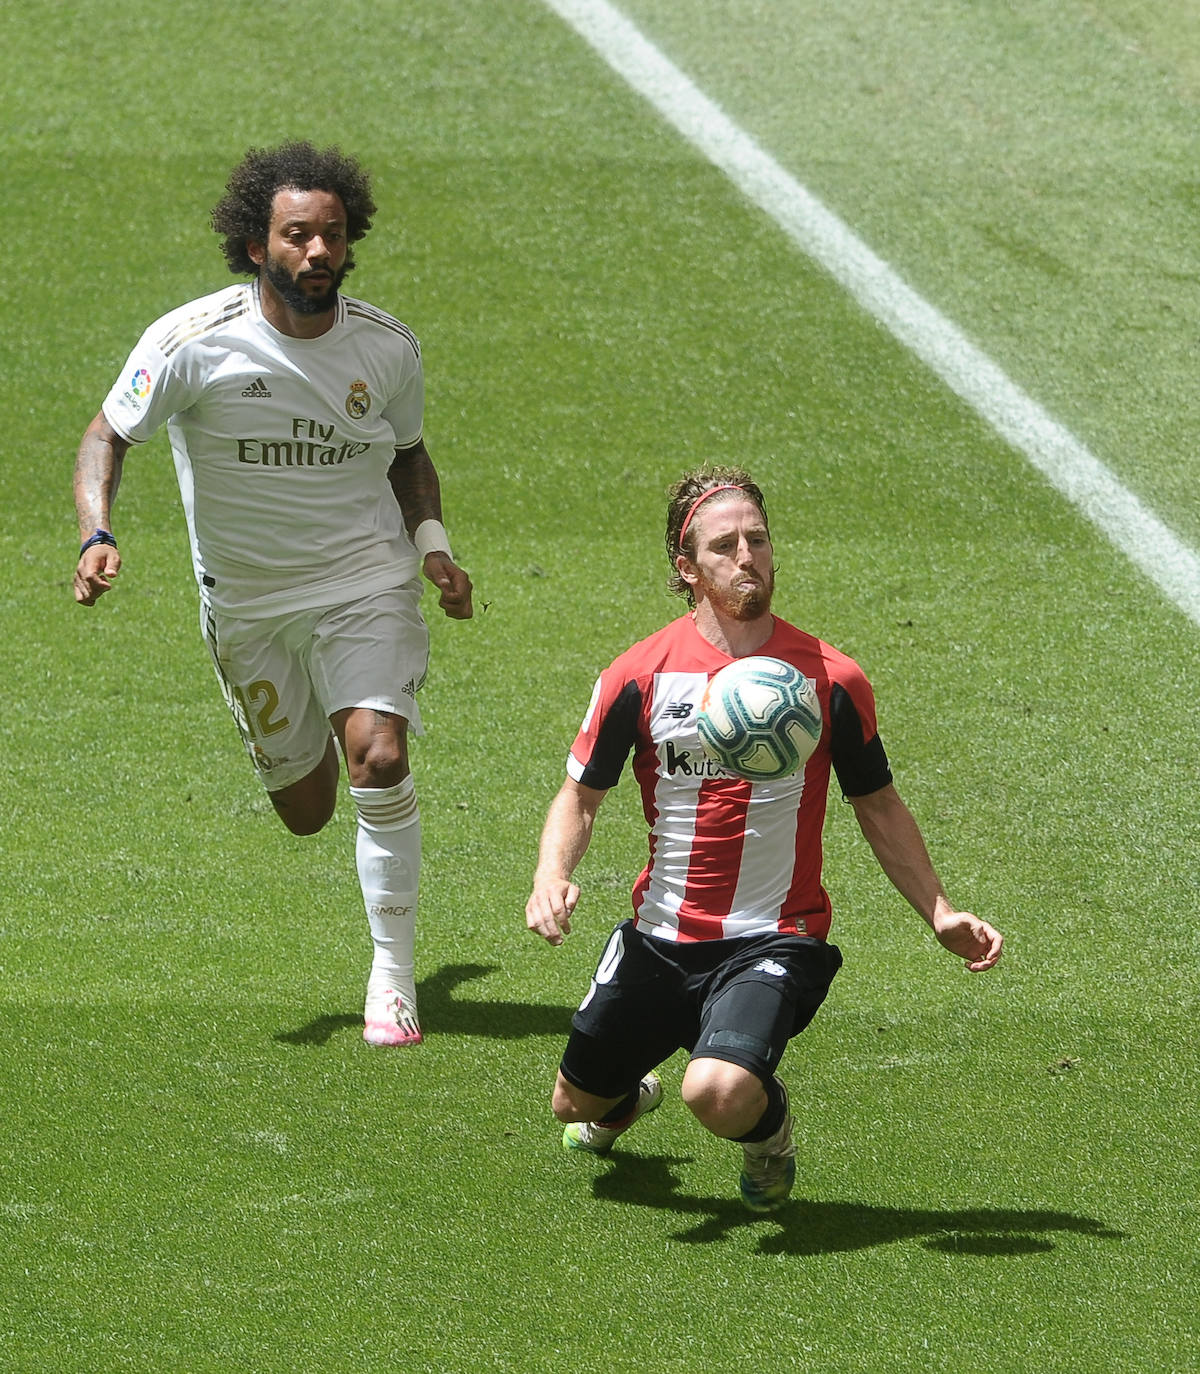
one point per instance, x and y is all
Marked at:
(388, 851)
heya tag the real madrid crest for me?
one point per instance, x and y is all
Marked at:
(359, 400)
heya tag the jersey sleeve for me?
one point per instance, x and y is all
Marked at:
(608, 732)
(148, 392)
(405, 410)
(859, 758)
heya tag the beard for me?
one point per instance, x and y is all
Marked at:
(297, 299)
(740, 603)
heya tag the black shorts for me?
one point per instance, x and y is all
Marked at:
(740, 1000)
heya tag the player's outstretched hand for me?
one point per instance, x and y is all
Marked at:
(95, 572)
(548, 910)
(970, 938)
(453, 583)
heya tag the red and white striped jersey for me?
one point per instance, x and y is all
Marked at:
(727, 857)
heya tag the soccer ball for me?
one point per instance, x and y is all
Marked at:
(760, 718)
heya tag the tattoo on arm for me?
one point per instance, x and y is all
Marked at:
(97, 476)
(415, 485)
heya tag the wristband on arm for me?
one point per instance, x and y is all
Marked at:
(430, 537)
(100, 537)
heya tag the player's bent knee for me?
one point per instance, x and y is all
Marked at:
(307, 806)
(569, 1103)
(380, 769)
(375, 744)
(300, 819)
(722, 1096)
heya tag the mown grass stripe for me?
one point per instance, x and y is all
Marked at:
(1066, 463)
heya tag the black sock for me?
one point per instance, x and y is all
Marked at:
(771, 1119)
(615, 1115)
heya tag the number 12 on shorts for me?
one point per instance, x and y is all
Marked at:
(258, 705)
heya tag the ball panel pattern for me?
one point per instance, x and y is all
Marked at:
(760, 719)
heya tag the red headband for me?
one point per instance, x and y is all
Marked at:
(704, 495)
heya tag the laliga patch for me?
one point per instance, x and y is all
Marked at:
(359, 401)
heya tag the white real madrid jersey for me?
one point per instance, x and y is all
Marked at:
(282, 447)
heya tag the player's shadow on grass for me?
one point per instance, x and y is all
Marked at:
(803, 1226)
(444, 1013)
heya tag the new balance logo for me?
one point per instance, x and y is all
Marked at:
(677, 710)
(771, 967)
(257, 388)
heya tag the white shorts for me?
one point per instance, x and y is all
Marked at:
(284, 676)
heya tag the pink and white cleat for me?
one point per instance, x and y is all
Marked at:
(391, 1020)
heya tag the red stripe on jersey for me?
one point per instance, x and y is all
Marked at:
(716, 858)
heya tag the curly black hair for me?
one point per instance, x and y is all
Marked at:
(244, 211)
(683, 497)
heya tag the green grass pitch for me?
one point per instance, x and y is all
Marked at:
(202, 1168)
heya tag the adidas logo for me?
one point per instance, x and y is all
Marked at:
(257, 388)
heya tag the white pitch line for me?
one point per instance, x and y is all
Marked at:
(1065, 462)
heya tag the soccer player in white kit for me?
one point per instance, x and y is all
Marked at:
(295, 416)
(727, 953)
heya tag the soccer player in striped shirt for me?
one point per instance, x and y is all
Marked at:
(727, 952)
(294, 415)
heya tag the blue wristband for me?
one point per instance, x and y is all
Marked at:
(100, 537)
